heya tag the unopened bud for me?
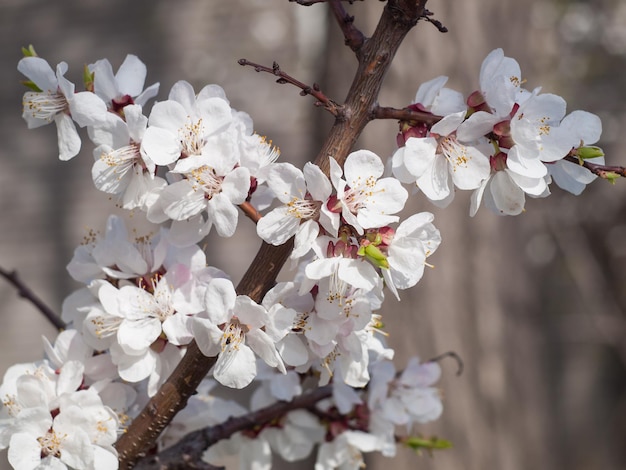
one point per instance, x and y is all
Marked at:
(373, 254)
(587, 152)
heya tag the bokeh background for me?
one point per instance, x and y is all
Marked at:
(533, 304)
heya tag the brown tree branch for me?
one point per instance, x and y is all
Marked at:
(405, 114)
(24, 291)
(397, 19)
(189, 451)
(322, 100)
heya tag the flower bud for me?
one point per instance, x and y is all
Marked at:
(590, 151)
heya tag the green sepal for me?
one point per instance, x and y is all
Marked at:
(591, 151)
(29, 51)
(373, 254)
(419, 444)
(88, 78)
(31, 85)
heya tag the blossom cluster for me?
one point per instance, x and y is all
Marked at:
(503, 142)
(188, 165)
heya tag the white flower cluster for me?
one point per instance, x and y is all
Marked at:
(503, 142)
(189, 164)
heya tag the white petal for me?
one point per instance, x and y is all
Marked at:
(104, 79)
(87, 109)
(181, 200)
(306, 234)
(223, 214)
(532, 167)
(131, 76)
(361, 165)
(278, 226)
(235, 366)
(219, 300)
(317, 182)
(504, 196)
(39, 72)
(448, 124)
(24, 451)
(161, 146)
(138, 335)
(435, 182)
(67, 135)
(286, 181)
(419, 155)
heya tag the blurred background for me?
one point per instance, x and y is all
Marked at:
(535, 305)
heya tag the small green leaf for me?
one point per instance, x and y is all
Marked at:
(29, 51)
(419, 444)
(611, 176)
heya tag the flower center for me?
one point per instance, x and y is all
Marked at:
(303, 208)
(192, 138)
(454, 152)
(234, 334)
(124, 157)
(51, 443)
(44, 105)
(206, 179)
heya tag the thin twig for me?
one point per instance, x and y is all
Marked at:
(603, 171)
(354, 37)
(453, 355)
(322, 100)
(24, 291)
(436, 23)
(195, 443)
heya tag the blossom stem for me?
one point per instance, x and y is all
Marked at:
(250, 211)
(24, 291)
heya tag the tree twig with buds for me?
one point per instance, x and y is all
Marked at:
(322, 100)
(607, 172)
